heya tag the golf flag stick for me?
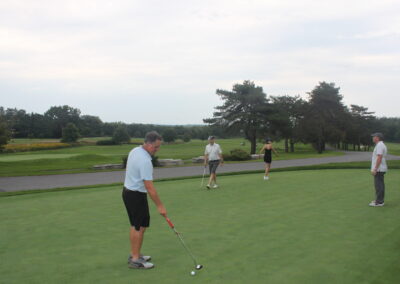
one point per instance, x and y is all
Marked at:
(171, 225)
(204, 173)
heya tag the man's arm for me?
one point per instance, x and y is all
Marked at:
(378, 163)
(154, 196)
(221, 158)
(205, 157)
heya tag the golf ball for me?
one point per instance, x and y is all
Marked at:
(193, 273)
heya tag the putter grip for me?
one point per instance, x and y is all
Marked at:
(169, 222)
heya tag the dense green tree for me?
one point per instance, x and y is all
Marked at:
(325, 117)
(121, 135)
(286, 117)
(4, 132)
(390, 126)
(60, 116)
(169, 135)
(90, 126)
(17, 121)
(245, 108)
(186, 137)
(359, 127)
(70, 133)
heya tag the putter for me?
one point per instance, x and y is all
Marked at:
(204, 173)
(171, 225)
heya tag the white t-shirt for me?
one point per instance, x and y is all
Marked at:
(380, 149)
(213, 151)
(138, 169)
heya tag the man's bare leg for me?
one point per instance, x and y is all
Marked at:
(212, 178)
(136, 238)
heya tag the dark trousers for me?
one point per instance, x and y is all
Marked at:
(379, 180)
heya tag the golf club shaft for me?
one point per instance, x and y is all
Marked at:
(204, 173)
(172, 226)
(187, 249)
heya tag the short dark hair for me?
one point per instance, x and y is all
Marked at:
(152, 137)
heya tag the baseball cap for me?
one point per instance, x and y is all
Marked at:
(377, 134)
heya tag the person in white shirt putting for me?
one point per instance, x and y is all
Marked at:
(213, 156)
(378, 169)
(138, 184)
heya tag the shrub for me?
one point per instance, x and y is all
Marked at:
(106, 142)
(4, 134)
(124, 161)
(70, 133)
(11, 148)
(169, 135)
(154, 161)
(121, 135)
(186, 137)
(237, 155)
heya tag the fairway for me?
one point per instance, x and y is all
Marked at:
(298, 227)
(83, 158)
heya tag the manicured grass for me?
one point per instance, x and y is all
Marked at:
(393, 148)
(82, 158)
(298, 227)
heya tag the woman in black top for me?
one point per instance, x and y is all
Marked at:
(268, 156)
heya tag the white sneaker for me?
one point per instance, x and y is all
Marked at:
(266, 177)
(140, 264)
(374, 204)
(215, 186)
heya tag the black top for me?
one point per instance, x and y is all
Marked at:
(268, 156)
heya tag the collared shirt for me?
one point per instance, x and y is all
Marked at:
(380, 149)
(213, 151)
(138, 169)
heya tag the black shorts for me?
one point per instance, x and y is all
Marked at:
(137, 208)
(213, 166)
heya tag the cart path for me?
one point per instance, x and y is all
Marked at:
(83, 179)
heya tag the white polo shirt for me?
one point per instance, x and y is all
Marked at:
(213, 151)
(380, 149)
(138, 169)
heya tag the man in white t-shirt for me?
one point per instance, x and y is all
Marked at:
(378, 169)
(213, 156)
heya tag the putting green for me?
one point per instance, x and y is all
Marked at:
(298, 227)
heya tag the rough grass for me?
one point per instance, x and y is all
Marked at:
(81, 159)
(393, 148)
(299, 227)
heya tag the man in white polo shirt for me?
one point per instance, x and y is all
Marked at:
(213, 156)
(138, 183)
(378, 169)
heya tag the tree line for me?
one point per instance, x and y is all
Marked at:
(59, 121)
(321, 119)
(246, 112)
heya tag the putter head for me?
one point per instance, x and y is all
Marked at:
(199, 266)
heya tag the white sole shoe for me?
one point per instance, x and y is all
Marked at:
(374, 204)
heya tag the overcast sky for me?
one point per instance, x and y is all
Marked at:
(162, 61)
